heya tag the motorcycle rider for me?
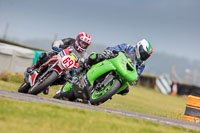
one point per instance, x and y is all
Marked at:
(139, 53)
(81, 43)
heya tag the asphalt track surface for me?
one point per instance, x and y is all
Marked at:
(157, 119)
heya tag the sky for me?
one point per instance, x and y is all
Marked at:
(171, 26)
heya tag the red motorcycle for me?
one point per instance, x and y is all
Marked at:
(50, 72)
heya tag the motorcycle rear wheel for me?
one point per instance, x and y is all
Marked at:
(100, 97)
(66, 94)
(69, 95)
(44, 83)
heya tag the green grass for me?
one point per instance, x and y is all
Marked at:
(139, 99)
(148, 101)
(28, 117)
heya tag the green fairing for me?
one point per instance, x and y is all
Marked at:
(67, 87)
(119, 72)
(117, 64)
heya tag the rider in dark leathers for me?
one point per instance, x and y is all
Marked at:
(81, 43)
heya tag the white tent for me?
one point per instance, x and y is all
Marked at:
(15, 59)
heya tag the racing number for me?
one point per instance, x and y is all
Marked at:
(68, 62)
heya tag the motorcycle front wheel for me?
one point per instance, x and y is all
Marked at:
(100, 96)
(44, 83)
(24, 88)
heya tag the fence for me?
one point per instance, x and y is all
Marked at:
(17, 57)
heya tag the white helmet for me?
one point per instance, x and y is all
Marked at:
(143, 50)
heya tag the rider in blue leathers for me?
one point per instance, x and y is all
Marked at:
(139, 53)
(129, 49)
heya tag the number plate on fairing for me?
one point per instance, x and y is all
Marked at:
(67, 61)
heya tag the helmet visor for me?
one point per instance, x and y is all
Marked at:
(143, 54)
(82, 44)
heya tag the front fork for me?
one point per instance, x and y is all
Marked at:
(107, 80)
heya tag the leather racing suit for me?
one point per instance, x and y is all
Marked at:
(124, 47)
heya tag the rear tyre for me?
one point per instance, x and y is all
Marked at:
(24, 88)
(98, 97)
(58, 96)
(69, 95)
(44, 83)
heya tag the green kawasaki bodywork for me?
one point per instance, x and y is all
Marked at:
(119, 64)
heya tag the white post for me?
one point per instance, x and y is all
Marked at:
(6, 31)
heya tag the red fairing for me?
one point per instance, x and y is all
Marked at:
(33, 76)
(76, 65)
(66, 51)
(57, 69)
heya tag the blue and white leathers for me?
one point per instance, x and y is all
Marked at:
(129, 49)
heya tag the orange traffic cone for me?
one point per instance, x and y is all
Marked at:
(174, 88)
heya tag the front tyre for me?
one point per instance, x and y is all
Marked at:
(24, 88)
(98, 97)
(44, 83)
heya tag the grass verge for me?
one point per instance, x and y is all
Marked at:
(149, 101)
(139, 99)
(23, 117)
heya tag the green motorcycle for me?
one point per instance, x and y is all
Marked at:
(102, 80)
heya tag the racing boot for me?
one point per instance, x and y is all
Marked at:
(46, 90)
(124, 92)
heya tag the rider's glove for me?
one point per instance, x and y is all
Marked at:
(56, 45)
(107, 53)
(56, 49)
